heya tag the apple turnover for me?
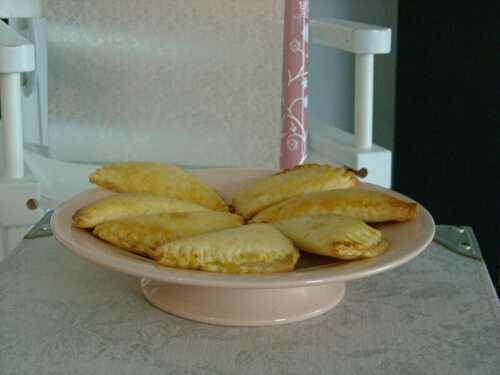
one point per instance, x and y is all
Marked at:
(254, 248)
(143, 234)
(120, 206)
(368, 205)
(300, 180)
(158, 179)
(335, 236)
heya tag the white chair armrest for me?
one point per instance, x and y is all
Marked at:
(17, 54)
(355, 37)
(364, 41)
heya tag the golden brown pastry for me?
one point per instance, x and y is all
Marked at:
(256, 248)
(335, 236)
(300, 180)
(121, 206)
(158, 179)
(143, 234)
(367, 205)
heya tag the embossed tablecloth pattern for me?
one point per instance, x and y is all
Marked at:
(60, 314)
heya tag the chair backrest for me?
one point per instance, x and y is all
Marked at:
(186, 81)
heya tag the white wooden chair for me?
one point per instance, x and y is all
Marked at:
(24, 98)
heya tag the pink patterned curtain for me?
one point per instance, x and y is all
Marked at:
(295, 82)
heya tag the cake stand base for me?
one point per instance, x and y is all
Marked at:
(243, 307)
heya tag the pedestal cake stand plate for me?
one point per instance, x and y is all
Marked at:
(313, 288)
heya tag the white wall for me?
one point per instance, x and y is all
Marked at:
(332, 72)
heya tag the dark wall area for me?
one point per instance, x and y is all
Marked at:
(447, 137)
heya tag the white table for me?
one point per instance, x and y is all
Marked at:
(60, 314)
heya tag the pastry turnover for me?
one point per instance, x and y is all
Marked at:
(335, 236)
(255, 248)
(143, 234)
(300, 180)
(367, 205)
(120, 206)
(158, 179)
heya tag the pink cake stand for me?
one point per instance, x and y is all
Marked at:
(315, 287)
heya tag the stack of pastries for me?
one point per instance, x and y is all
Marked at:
(167, 214)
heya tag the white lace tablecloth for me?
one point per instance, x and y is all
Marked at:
(60, 314)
